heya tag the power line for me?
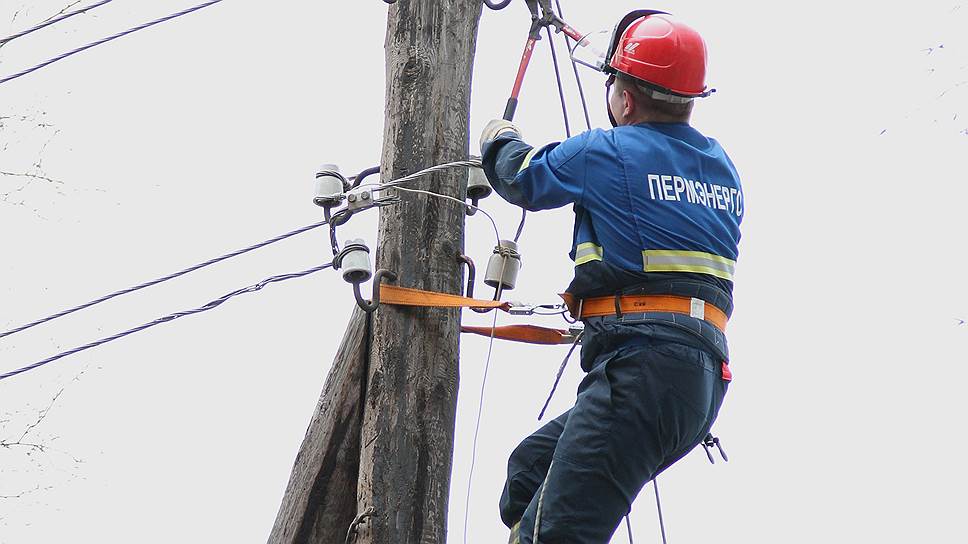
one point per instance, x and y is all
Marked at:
(170, 317)
(164, 278)
(53, 21)
(574, 68)
(105, 40)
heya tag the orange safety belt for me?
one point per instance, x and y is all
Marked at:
(405, 296)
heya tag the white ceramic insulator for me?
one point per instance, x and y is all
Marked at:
(508, 265)
(356, 263)
(328, 188)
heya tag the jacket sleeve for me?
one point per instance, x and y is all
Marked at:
(536, 178)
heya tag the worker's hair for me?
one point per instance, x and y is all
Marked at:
(680, 111)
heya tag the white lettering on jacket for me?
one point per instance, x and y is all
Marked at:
(700, 193)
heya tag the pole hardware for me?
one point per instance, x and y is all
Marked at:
(370, 306)
(708, 442)
(354, 261)
(478, 187)
(330, 186)
(471, 274)
(503, 267)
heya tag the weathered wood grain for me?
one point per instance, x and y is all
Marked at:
(320, 500)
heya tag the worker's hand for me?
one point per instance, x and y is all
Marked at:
(495, 128)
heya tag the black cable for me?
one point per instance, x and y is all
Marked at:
(574, 67)
(524, 217)
(496, 6)
(358, 179)
(561, 89)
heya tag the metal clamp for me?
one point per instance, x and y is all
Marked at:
(708, 442)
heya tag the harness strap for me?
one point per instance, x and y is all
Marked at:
(530, 334)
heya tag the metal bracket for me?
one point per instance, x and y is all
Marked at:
(370, 306)
(471, 274)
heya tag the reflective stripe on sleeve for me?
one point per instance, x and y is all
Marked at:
(667, 260)
(527, 158)
(587, 252)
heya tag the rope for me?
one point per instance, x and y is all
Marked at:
(108, 39)
(164, 279)
(480, 410)
(53, 21)
(170, 317)
(658, 506)
(628, 525)
(561, 370)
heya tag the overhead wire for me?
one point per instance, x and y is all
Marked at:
(107, 39)
(574, 67)
(170, 317)
(564, 111)
(52, 21)
(497, 234)
(164, 278)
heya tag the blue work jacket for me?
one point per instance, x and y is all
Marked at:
(656, 204)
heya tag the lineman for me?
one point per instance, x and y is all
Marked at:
(657, 214)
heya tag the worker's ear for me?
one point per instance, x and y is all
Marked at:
(628, 104)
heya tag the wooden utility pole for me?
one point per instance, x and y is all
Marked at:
(408, 426)
(389, 475)
(320, 501)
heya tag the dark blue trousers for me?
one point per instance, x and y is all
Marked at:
(646, 401)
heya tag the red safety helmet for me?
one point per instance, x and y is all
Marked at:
(663, 53)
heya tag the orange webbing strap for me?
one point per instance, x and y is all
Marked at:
(630, 304)
(530, 334)
(405, 296)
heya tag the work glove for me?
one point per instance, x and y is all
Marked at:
(495, 128)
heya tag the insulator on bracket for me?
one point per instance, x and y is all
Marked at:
(330, 186)
(354, 261)
(478, 187)
(503, 266)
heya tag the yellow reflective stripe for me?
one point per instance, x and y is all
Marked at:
(515, 534)
(683, 253)
(587, 252)
(665, 260)
(528, 157)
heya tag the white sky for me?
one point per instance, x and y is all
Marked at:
(200, 136)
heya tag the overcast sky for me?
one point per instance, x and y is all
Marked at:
(846, 121)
